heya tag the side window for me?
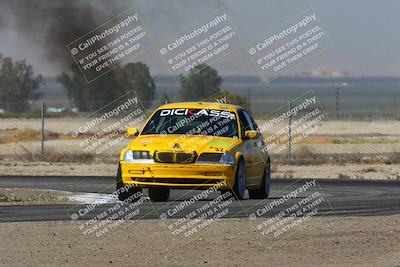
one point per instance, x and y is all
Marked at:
(255, 126)
(250, 121)
(245, 123)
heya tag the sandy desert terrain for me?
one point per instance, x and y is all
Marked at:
(337, 149)
(362, 241)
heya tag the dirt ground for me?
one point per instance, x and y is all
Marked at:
(342, 149)
(347, 171)
(331, 137)
(362, 241)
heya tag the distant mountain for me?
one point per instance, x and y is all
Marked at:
(238, 79)
(55, 95)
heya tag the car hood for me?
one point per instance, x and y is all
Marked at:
(197, 143)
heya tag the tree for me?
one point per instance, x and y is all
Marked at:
(138, 78)
(242, 101)
(18, 84)
(164, 99)
(133, 76)
(202, 82)
(75, 87)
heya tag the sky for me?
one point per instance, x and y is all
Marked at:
(364, 34)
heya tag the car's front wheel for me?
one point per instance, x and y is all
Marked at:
(159, 194)
(239, 187)
(263, 191)
(129, 194)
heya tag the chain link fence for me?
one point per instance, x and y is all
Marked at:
(56, 132)
(25, 136)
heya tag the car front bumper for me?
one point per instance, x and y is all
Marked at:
(172, 175)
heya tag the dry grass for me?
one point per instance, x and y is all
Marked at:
(19, 135)
(327, 139)
(52, 155)
(305, 156)
(20, 196)
(274, 168)
(343, 176)
(317, 140)
(394, 158)
(14, 135)
(369, 169)
(25, 135)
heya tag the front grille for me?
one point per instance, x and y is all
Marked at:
(165, 157)
(174, 157)
(209, 157)
(179, 181)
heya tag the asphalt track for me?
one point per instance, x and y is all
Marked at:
(339, 198)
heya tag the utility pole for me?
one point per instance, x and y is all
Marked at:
(42, 114)
(290, 134)
(249, 98)
(337, 103)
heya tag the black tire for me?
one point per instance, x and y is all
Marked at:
(127, 194)
(159, 194)
(239, 189)
(263, 191)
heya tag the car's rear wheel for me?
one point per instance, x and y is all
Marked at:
(159, 194)
(129, 194)
(263, 191)
(239, 188)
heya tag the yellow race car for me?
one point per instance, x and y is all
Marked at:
(194, 145)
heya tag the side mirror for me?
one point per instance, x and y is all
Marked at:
(252, 134)
(132, 132)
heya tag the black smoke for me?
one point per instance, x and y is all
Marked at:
(52, 24)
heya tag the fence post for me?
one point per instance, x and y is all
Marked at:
(337, 103)
(290, 134)
(42, 114)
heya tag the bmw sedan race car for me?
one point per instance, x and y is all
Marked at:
(195, 146)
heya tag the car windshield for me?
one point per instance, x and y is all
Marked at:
(193, 121)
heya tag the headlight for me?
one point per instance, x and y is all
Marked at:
(137, 156)
(227, 158)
